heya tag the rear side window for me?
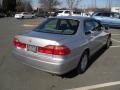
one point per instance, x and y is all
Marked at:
(67, 11)
(75, 12)
(59, 26)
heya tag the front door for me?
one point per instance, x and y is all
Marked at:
(93, 32)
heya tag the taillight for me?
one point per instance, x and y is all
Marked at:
(55, 50)
(19, 44)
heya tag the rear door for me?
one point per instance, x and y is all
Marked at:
(100, 33)
(27, 15)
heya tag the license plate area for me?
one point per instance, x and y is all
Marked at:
(32, 48)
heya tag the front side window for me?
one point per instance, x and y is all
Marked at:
(91, 26)
(25, 13)
(60, 11)
(75, 12)
(103, 14)
(99, 14)
(115, 15)
(59, 26)
(97, 26)
(88, 26)
(106, 14)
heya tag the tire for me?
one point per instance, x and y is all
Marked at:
(83, 64)
(108, 43)
(22, 17)
(32, 17)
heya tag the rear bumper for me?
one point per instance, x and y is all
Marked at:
(55, 68)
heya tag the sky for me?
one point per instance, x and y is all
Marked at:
(85, 3)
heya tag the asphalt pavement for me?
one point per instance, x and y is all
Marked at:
(102, 74)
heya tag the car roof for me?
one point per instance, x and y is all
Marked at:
(63, 10)
(73, 17)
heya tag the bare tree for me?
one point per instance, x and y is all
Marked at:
(28, 6)
(0, 4)
(72, 4)
(23, 5)
(49, 5)
(9, 5)
(19, 6)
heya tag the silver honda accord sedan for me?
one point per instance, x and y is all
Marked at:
(61, 44)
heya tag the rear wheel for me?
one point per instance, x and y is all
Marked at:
(22, 17)
(82, 66)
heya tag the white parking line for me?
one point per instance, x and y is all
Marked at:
(115, 34)
(27, 25)
(114, 46)
(115, 40)
(98, 86)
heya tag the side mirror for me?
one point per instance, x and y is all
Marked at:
(106, 27)
(87, 33)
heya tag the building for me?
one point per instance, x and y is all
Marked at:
(115, 9)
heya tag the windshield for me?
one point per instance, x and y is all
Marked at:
(115, 15)
(60, 11)
(58, 26)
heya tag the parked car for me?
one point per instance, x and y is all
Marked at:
(10, 14)
(2, 14)
(63, 13)
(42, 14)
(61, 44)
(67, 13)
(24, 15)
(112, 19)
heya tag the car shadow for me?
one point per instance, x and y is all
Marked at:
(95, 57)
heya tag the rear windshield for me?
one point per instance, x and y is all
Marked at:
(58, 26)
